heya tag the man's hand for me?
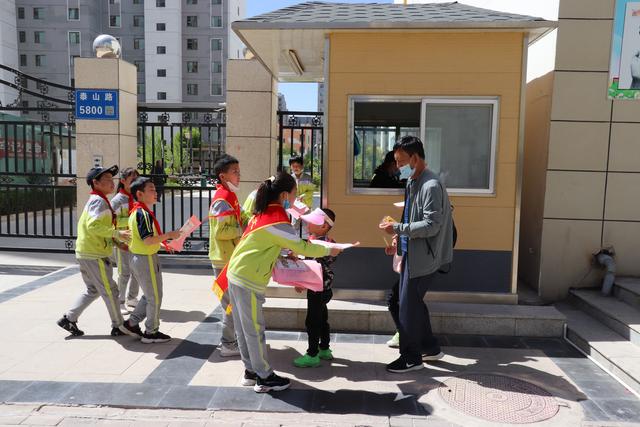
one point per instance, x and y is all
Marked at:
(392, 249)
(387, 227)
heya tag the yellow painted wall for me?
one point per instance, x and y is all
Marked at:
(425, 64)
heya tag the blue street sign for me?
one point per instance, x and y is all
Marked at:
(96, 104)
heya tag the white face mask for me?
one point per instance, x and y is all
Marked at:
(232, 187)
(406, 171)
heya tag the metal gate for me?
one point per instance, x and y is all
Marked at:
(37, 165)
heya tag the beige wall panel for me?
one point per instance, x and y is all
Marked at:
(580, 96)
(574, 195)
(626, 111)
(249, 114)
(583, 45)
(508, 140)
(128, 114)
(432, 52)
(128, 77)
(96, 74)
(586, 9)
(567, 246)
(253, 154)
(103, 145)
(128, 151)
(623, 197)
(248, 76)
(590, 140)
(97, 127)
(624, 237)
(625, 147)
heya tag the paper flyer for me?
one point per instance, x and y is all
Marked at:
(185, 231)
(298, 209)
(300, 273)
(331, 245)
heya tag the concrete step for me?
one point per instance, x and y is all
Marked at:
(617, 355)
(615, 314)
(446, 318)
(627, 289)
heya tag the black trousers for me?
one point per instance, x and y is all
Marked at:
(416, 336)
(317, 321)
(393, 303)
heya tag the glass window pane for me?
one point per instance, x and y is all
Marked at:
(377, 126)
(458, 143)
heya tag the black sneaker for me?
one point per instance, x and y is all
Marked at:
(272, 383)
(116, 332)
(131, 330)
(250, 378)
(70, 326)
(155, 337)
(400, 366)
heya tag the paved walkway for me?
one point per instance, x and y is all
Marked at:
(483, 381)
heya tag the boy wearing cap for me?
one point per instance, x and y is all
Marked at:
(319, 223)
(94, 246)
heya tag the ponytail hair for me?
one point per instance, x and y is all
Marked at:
(269, 191)
(124, 174)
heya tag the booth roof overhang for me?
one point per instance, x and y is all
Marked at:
(290, 42)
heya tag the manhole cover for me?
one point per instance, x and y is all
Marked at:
(498, 398)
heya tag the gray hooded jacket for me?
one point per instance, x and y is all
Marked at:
(430, 225)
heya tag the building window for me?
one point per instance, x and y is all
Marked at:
(161, 72)
(192, 44)
(23, 60)
(38, 36)
(192, 1)
(161, 96)
(192, 66)
(216, 44)
(21, 13)
(138, 20)
(73, 14)
(41, 60)
(161, 50)
(140, 87)
(216, 89)
(192, 21)
(22, 36)
(74, 37)
(214, 2)
(161, 26)
(459, 136)
(192, 89)
(216, 21)
(114, 21)
(138, 44)
(139, 65)
(216, 67)
(137, 1)
(160, 3)
(38, 13)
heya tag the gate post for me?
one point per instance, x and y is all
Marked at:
(252, 133)
(107, 142)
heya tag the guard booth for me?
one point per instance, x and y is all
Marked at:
(452, 74)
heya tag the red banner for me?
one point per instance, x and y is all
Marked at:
(31, 148)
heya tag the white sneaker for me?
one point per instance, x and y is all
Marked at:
(394, 342)
(123, 309)
(229, 350)
(132, 302)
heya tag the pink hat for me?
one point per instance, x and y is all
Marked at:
(317, 217)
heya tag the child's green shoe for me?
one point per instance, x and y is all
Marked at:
(325, 354)
(307, 361)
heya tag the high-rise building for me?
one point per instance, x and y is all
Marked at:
(180, 47)
(8, 48)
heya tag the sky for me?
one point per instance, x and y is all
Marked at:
(303, 96)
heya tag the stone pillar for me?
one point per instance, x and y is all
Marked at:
(114, 141)
(252, 133)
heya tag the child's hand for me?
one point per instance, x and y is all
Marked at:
(299, 290)
(173, 234)
(292, 255)
(335, 252)
(124, 235)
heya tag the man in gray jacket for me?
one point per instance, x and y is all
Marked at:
(425, 242)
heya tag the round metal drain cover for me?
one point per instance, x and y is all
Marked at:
(498, 398)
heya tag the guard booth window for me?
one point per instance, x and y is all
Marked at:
(459, 136)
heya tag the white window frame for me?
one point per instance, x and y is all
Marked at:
(211, 73)
(211, 15)
(423, 101)
(109, 14)
(70, 5)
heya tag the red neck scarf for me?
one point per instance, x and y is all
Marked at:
(223, 193)
(140, 205)
(103, 197)
(129, 196)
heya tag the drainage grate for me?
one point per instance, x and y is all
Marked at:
(498, 398)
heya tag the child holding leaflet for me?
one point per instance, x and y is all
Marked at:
(319, 223)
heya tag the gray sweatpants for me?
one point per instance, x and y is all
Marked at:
(146, 269)
(249, 320)
(97, 275)
(123, 259)
(228, 331)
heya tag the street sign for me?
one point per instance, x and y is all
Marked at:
(96, 104)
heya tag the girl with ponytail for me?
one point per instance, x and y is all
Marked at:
(246, 276)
